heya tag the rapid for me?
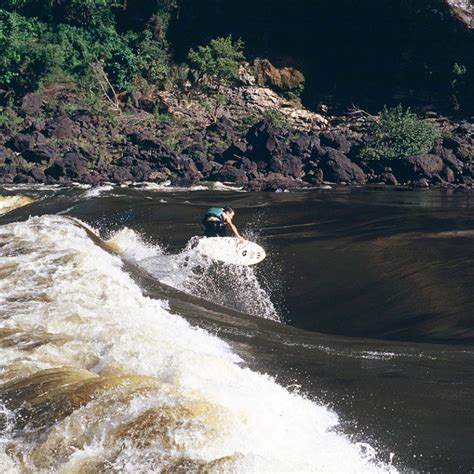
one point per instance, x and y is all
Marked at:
(349, 349)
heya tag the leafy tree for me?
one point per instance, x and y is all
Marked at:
(86, 13)
(23, 58)
(43, 39)
(459, 85)
(400, 133)
(218, 65)
(152, 58)
(219, 61)
(121, 68)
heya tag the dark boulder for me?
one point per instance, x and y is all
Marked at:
(452, 143)
(37, 174)
(60, 127)
(84, 119)
(264, 142)
(6, 156)
(188, 170)
(140, 171)
(421, 183)
(389, 178)
(7, 173)
(287, 165)
(223, 126)
(230, 174)
(317, 152)
(466, 180)
(156, 153)
(94, 177)
(448, 174)
(41, 154)
(336, 141)
(145, 141)
(302, 145)
(127, 161)
(204, 165)
(449, 158)
(274, 182)
(250, 168)
(413, 168)
(338, 168)
(120, 175)
(197, 152)
(23, 179)
(23, 141)
(72, 166)
(159, 159)
(235, 150)
(313, 174)
(31, 104)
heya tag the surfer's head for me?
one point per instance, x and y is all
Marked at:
(229, 211)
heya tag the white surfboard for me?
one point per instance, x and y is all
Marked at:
(231, 250)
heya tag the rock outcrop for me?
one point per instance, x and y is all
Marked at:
(463, 10)
(259, 156)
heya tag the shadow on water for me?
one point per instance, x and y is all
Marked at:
(411, 399)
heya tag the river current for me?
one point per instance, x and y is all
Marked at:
(348, 349)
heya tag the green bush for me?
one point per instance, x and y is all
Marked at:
(88, 14)
(42, 41)
(460, 85)
(219, 61)
(120, 68)
(9, 118)
(271, 115)
(23, 59)
(275, 118)
(400, 133)
(152, 58)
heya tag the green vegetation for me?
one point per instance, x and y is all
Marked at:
(74, 39)
(9, 118)
(271, 115)
(296, 93)
(218, 66)
(218, 62)
(400, 133)
(459, 85)
(275, 118)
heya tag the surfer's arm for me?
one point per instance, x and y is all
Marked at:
(234, 229)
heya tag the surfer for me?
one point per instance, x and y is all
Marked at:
(218, 220)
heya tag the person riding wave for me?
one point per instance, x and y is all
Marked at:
(217, 221)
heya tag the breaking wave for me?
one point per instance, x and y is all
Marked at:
(98, 377)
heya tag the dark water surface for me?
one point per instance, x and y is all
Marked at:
(375, 288)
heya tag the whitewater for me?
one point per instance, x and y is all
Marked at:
(98, 377)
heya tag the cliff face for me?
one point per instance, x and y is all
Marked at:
(359, 51)
(464, 11)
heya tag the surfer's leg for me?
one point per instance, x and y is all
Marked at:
(222, 230)
(211, 229)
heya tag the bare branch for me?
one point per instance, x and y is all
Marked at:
(105, 85)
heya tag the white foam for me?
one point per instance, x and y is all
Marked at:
(203, 186)
(134, 246)
(221, 413)
(96, 191)
(236, 287)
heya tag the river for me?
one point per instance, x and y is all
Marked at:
(348, 349)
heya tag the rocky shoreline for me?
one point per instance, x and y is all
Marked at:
(59, 144)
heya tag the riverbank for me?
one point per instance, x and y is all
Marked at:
(258, 139)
